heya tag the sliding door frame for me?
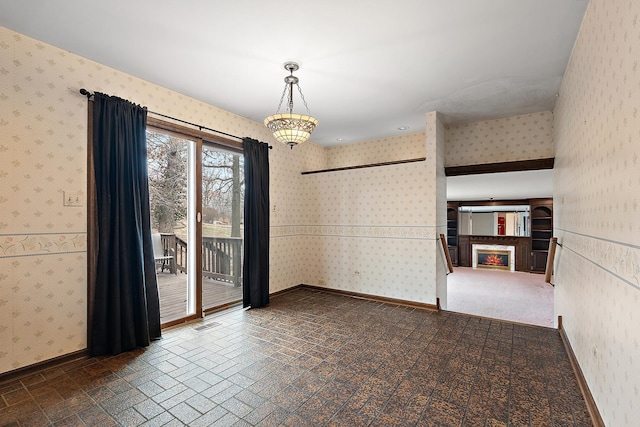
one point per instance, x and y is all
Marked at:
(200, 138)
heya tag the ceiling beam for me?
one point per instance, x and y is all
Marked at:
(521, 165)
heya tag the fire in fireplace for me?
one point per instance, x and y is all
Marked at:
(491, 258)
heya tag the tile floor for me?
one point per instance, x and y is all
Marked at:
(311, 359)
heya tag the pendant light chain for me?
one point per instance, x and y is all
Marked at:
(303, 100)
(284, 92)
(288, 127)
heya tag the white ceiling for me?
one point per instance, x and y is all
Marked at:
(501, 186)
(367, 66)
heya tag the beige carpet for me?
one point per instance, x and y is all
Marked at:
(513, 296)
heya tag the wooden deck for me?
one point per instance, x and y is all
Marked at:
(173, 295)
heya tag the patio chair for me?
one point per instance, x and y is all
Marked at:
(162, 257)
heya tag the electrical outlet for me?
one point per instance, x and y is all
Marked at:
(72, 198)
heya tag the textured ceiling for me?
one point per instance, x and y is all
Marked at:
(367, 67)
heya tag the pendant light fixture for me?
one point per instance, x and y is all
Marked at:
(290, 128)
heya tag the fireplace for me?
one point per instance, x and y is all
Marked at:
(498, 257)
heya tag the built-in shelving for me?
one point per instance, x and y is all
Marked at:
(452, 232)
(541, 233)
(532, 249)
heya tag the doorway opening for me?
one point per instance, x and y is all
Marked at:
(196, 195)
(222, 227)
(498, 241)
(498, 248)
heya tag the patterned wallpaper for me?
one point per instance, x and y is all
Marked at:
(43, 146)
(374, 230)
(42, 244)
(371, 231)
(524, 137)
(287, 211)
(378, 196)
(401, 147)
(340, 209)
(597, 217)
(43, 127)
(436, 149)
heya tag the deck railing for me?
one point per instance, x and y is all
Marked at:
(221, 256)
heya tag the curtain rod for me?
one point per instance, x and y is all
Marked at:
(88, 94)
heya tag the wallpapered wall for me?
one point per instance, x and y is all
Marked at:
(360, 235)
(43, 121)
(523, 137)
(43, 128)
(373, 230)
(326, 227)
(382, 225)
(436, 152)
(597, 217)
(400, 147)
(287, 210)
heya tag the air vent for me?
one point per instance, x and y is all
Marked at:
(207, 326)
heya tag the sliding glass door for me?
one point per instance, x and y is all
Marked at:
(195, 191)
(222, 226)
(172, 177)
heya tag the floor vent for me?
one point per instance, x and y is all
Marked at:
(207, 326)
